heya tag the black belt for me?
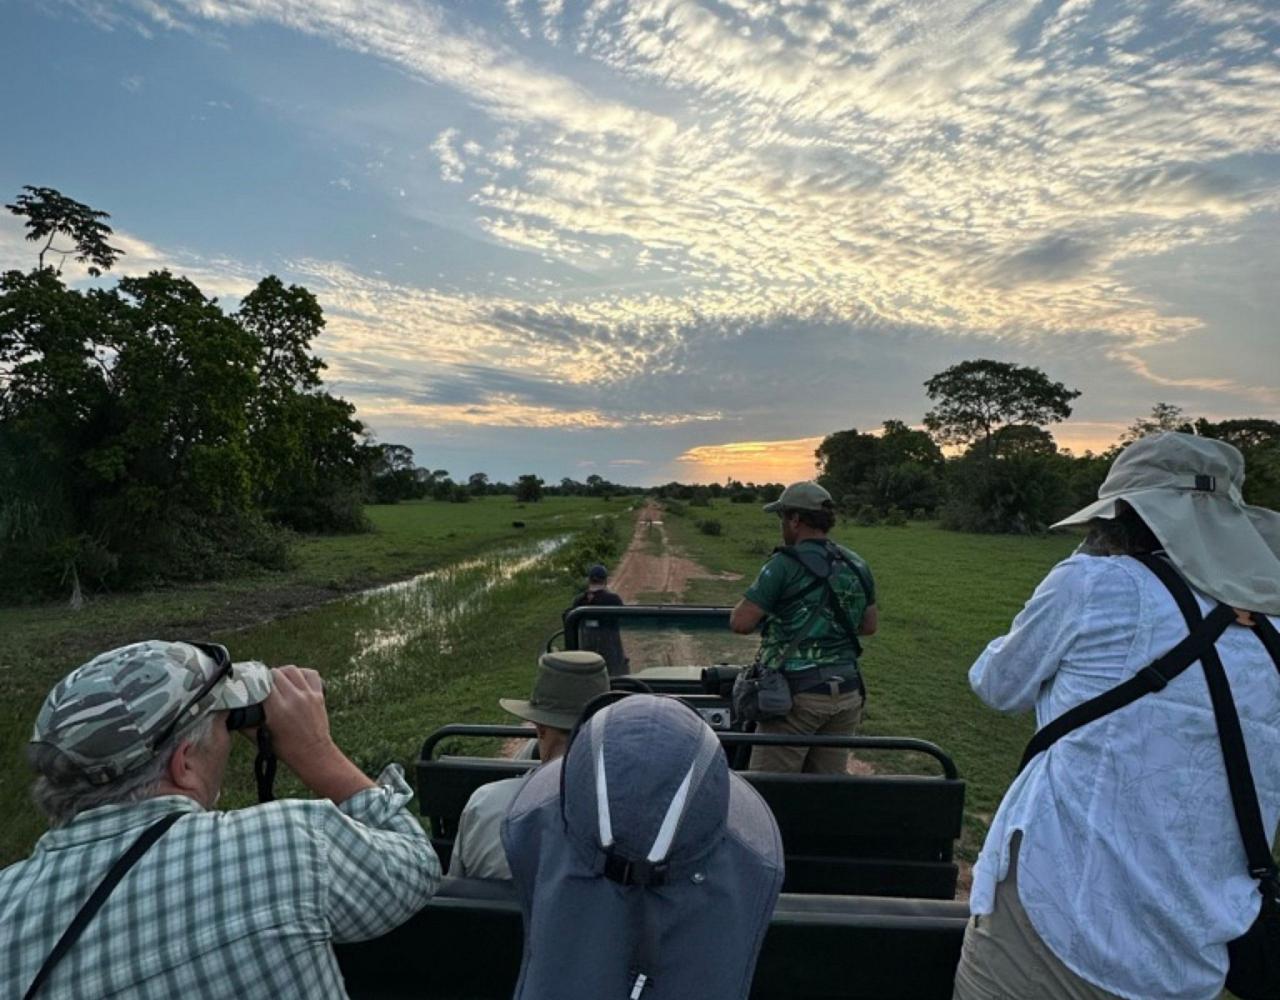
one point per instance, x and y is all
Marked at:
(822, 679)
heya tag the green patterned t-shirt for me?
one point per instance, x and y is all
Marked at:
(784, 590)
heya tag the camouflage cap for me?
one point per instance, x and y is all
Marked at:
(106, 715)
(807, 495)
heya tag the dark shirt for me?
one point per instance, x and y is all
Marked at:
(602, 637)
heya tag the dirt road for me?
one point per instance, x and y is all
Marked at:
(650, 567)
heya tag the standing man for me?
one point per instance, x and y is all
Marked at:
(815, 598)
(565, 683)
(602, 637)
(130, 751)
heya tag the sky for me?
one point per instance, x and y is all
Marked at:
(686, 239)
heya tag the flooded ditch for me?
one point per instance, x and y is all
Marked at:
(368, 641)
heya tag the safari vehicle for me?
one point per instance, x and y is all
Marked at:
(867, 909)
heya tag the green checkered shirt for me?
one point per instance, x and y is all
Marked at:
(243, 903)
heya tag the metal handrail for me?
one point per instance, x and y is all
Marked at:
(675, 612)
(910, 743)
(473, 729)
(730, 739)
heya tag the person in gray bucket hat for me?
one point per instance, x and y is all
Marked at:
(565, 684)
(644, 867)
(144, 889)
(1119, 863)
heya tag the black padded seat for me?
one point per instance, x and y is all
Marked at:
(466, 943)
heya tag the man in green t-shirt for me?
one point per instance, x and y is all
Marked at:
(811, 629)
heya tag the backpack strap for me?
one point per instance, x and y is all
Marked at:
(81, 920)
(1235, 756)
(822, 573)
(1153, 677)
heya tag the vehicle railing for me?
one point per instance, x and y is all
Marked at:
(728, 739)
(496, 731)
(711, 616)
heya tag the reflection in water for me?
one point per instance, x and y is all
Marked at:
(426, 609)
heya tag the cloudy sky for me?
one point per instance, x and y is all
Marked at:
(686, 238)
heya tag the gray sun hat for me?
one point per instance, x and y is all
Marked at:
(106, 715)
(635, 850)
(807, 495)
(566, 681)
(1187, 489)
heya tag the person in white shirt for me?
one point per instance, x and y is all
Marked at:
(1114, 865)
(565, 683)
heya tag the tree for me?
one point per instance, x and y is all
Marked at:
(1017, 440)
(1164, 417)
(51, 214)
(528, 489)
(395, 477)
(145, 434)
(846, 460)
(976, 398)
(478, 483)
(900, 467)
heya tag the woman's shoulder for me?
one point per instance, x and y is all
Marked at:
(1097, 579)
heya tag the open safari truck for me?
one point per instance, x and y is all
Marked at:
(868, 906)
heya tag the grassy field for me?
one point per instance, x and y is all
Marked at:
(402, 661)
(455, 644)
(942, 597)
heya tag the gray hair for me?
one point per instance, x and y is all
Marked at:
(61, 790)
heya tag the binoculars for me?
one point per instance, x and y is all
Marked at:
(246, 718)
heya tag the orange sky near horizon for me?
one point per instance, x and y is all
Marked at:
(791, 460)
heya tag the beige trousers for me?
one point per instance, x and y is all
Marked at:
(1003, 957)
(811, 712)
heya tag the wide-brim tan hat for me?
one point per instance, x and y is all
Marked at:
(1187, 489)
(565, 683)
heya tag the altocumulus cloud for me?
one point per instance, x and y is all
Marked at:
(967, 168)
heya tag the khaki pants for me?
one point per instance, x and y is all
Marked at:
(811, 712)
(1003, 957)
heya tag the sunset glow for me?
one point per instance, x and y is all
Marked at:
(552, 235)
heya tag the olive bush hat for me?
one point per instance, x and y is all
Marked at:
(1187, 489)
(113, 714)
(807, 495)
(566, 681)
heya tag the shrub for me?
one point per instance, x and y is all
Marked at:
(866, 516)
(1020, 494)
(895, 517)
(710, 526)
(597, 544)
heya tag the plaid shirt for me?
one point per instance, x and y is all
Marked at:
(242, 903)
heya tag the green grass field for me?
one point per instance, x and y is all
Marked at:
(453, 672)
(398, 665)
(942, 596)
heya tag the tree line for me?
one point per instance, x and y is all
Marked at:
(1006, 473)
(148, 435)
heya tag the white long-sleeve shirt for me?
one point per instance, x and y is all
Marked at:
(1131, 866)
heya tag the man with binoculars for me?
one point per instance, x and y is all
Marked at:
(142, 888)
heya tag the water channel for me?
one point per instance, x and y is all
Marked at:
(361, 643)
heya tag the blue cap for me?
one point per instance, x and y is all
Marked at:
(598, 573)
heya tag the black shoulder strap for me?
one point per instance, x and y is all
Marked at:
(1152, 677)
(819, 574)
(1235, 756)
(822, 577)
(1266, 632)
(118, 870)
